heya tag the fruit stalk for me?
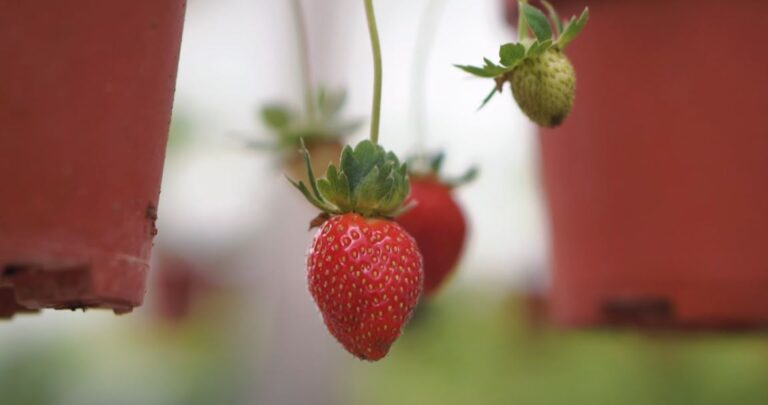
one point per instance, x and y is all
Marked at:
(377, 71)
(424, 40)
(305, 66)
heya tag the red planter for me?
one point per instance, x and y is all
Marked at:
(657, 183)
(86, 89)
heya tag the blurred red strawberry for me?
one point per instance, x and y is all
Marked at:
(436, 222)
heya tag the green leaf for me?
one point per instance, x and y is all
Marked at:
(553, 16)
(437, 162)
(511, 54)
(572, 29)
(537, 21)
(469, 176)
(477, 71)
(330, 102)
(276, 116)
(493, 68)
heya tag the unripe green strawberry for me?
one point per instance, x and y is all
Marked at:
(544, 87)
(541, 77)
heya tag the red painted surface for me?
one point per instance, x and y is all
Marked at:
(656, 184)
(86, 89)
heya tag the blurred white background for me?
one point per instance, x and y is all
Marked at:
(239, 54)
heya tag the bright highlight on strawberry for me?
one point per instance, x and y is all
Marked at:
(541, 77)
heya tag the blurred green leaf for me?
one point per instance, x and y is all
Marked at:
(572, 29)
(510, 54)
(553, 16)
(276, 116)
(330, 102)
(477, 71)
(488, 98)
(537, 21)
(539, 47)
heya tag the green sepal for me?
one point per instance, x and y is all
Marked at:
(469, 176)
(510, 54)
(430, 165)
(488, 97)
(572, 29)
(369, 181)
(477, 71)
(537, 48)
(554, 17)
(314, 197)
(437, 162)
(537, 21)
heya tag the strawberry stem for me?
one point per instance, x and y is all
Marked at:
(522, 23)
(424, 41)
(305, 66)
(377, 71)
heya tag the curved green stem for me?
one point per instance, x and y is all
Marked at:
(305, 66)
(377, 71)
(522, 23)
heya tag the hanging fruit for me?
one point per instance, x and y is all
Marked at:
(364, 270)
(541, 77)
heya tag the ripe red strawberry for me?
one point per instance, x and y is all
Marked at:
(365, 272)
(365, 276)
(435, 220)
(437, 224)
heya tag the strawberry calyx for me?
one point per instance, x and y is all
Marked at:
(429, 166)
(290, 126)
(512, 54)
(369, 181)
